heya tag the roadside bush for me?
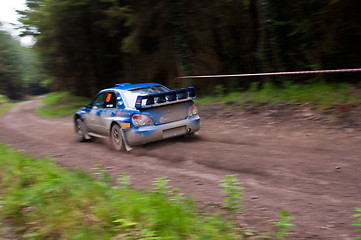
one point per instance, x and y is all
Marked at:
(5, 104)
(4, 99)
(58, 104)
(231, 191)
(44, 201)
(322, 95)
(358, 220)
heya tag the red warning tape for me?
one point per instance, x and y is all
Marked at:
(274, 73)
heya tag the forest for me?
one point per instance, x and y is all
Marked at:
(83, 46)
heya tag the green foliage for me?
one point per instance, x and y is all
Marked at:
(129, 45)
(5, 104)
(102, 174)
(160, 185)
(220, 90)
(84, 208)
(124, 181)
(322, 95)
(60, 104)
(231, 190)
(283, 225)
(4, 99)
(5, 107)
(35, 77)
(11, 63)
(79, 41)
(358, 220)
(180, 36)
(88, 45)
(19, 69)
(315, 34)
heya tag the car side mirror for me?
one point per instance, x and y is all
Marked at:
(98, 105)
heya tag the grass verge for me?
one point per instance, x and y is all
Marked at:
(60, 104)
(5, 104)
(44, 201)
(5, 107)
(322, 95)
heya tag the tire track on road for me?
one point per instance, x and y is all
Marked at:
(301, 177)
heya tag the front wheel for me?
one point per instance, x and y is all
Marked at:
(80, 130)
(116, 138)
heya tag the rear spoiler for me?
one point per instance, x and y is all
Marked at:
(165, 98)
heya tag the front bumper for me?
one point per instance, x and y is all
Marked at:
(142, 135)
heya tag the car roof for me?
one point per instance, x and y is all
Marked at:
(129, 86)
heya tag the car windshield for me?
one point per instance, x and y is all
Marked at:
(131, 95)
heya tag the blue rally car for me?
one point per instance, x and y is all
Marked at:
(134, 114)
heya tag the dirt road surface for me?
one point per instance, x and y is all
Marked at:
(295, 162)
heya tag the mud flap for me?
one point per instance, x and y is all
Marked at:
(87, 136)
(127, 147)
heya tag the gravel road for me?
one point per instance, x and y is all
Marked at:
(302, 165)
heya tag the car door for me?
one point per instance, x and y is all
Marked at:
(93, 118)
(108, 112)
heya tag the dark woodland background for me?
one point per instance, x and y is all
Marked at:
(83, 46)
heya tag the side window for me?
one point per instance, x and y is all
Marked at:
(99, 101)
(110, 100)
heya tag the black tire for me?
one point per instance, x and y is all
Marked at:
(80, 130)
(116, 138)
